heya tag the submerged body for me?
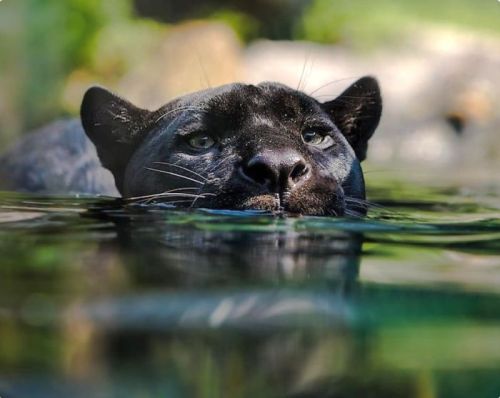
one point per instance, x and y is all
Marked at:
(238, 146)
(56, 159)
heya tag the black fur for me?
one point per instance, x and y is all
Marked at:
(238, 147)
(57, 159)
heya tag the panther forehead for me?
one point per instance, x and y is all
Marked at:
(264, 104)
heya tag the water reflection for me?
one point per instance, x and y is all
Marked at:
(234, 310)
(206, 252)
(117, 301)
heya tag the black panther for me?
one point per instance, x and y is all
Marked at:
(238, 146)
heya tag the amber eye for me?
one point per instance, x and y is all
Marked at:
(314, 138)
(201, 141)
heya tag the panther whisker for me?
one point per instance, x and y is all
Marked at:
(181, 108)
(166, 195)
(304, 66)
(195, 199)
(350, 213)
(182, 168)
(186, 195)
(356, 201)
(160, 196)
(363, 202)
(156, 194)
(178, 201)
(174, 174)
(181, 189)
(330, 83)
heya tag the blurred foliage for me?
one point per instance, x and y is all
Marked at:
(272, 19)
(46, 43)
(47, 40)
(364, 23)
(119, 46)
(245, 26)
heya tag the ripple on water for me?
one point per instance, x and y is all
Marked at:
(137, 300)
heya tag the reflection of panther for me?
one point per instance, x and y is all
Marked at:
(237, 146)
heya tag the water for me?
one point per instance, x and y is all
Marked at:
(98, 299)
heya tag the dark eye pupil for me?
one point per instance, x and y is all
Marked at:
(309, 136)
(201, 141)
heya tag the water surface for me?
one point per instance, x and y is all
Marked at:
(100, 298)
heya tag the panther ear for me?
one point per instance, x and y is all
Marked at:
(115, 126)
(356, 112)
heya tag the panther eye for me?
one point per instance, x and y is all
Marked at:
(201, 141)
(314, 138)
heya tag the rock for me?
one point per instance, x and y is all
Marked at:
(193, 56)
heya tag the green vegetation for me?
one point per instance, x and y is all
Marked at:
(246, 27)
(46, 43)
(367, 23)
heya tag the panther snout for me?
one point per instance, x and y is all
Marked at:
(277, 171)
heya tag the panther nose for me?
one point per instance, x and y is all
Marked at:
(277, 170)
